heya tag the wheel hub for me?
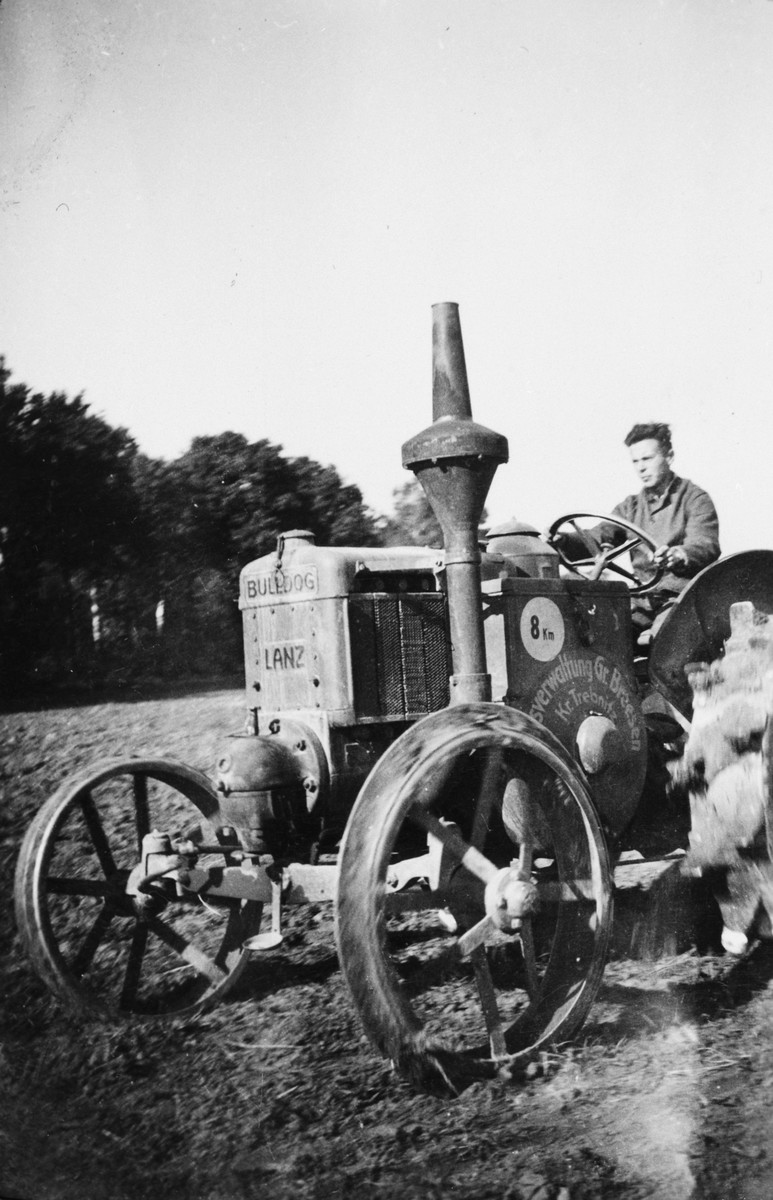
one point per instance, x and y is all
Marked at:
(145, 905)
(509, 898)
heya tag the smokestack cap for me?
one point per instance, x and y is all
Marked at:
(453, 434)
(454, 438)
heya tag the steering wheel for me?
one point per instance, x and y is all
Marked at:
(602, 558)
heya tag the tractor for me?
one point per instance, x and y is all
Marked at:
(452, 746)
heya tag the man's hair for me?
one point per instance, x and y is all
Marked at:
(651, 429)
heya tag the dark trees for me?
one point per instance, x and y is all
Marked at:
(413, 522)
(115, 565)
(68, 523)
(220, 505)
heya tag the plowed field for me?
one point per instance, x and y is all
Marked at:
(667, 1092)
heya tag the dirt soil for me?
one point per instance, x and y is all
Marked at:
(667, 1092)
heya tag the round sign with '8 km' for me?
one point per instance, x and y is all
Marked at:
(542, 628)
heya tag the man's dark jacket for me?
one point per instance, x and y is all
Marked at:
(683, 515)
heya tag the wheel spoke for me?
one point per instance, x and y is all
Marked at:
(526, 932)
(623, 548)
(85, 955)
(585, 538)
(437, 968)
(474, 937)
(134, 966)
(613, 566)
(142, 815)
(490, 791)
(56, 886)
(97, 833)
(190, 953)
(471, 858)
(526, 937)
(488, 1001)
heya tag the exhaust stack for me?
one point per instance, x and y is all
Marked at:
(455, 459)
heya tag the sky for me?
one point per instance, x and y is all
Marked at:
(238, 216)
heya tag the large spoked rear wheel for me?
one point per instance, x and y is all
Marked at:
(471, 966)
(100, 949)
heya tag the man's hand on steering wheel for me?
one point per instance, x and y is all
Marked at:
(603, 557)
(674, 558)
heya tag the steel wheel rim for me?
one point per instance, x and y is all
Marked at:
(402, 1034)
(35, 899)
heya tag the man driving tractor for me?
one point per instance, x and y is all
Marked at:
(678, 516)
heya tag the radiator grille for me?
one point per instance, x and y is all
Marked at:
(400, 655)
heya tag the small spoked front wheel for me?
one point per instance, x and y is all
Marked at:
(474, 897)
(98, 943)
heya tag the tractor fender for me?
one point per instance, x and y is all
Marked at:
(696, 627)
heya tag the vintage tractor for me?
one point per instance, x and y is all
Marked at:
(448, 745)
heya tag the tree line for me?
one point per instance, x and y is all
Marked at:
(117, 567)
